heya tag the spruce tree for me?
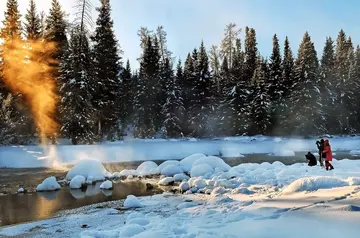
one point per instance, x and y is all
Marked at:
(32, 22)
(276, 87)
(214, 59)
(107, 65)
(127, 95)
(288, 79)
(307, 116)
(77, 109)
(173, 108)
(250, 53)
(188, 85)
(261, 103)
(327, 82)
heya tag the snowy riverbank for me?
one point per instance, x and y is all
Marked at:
(158, 149)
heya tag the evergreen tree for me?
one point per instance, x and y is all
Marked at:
(33, 24)
(214, 58)
(306, 107)
(164, 52)
(173, 108)
(355, 121)
(127, 95)
(77, 109)
(147, 92)
(276, 87)
(261, 104)
(327, 82)
(187, 85)
(107, 65)
(288, 80)
(250, 53)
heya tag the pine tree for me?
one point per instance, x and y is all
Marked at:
(187, 85)
(147, 92)
(77, 109)
(276, 87)
(250, 53)
(127, 95)
(173, 108)
(107, 65)
(33, 24)
(306, 107)
(261, 104)
(327, 82)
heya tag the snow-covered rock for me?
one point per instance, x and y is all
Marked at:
(90, 180)
(201, 169)
(166, 181)
(184, 186)
(187, 162)
(132, 202)
(77, 182)
(218, 190)
(171, 170)
(48, 184)
(214, 162)
(224, 183)
(131, 230)
(200, 183)
(148, 168)
(194, 189)
(186, 205)
(115, 175)
(21, 190)
(88, 168)
(130, 177)
(181, 177)
(168, 162)
(106, 185)
(245, 191)
(108, 175)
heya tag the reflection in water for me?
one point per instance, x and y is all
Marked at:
(35, 206)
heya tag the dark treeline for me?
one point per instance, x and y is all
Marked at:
(223, 91)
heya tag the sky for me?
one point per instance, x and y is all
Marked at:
(187, 22)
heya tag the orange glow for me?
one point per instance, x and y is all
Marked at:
(27, 70)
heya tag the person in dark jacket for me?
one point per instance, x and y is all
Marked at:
(321, 145)
(311, 158)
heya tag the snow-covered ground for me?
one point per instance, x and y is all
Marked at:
(160, 149)
(248, 200)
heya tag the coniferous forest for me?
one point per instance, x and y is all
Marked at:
(225, 90)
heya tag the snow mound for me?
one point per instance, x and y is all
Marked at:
(90, 180)
(106, 185)
(214, 162)
(171, 170)
(166, 181)
(139, 220)
(168, 162)
(245, 191)
(132, 202)
(347, 208)
(353, 181)
(187, 162)
(218, 190)
(77, 182)
(148, 168)
(224, 183)
(131, 230)
(314, 183)
(184, 186)
(21, 190)
(201, 170)
(48, 184)
(181, 177)
(88, 168)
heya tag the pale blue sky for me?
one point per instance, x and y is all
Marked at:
(187, 22)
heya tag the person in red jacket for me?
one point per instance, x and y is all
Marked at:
(328, 158)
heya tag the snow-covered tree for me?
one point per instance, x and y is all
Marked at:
(107, 66)
(32, 22)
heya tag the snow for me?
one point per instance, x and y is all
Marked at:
(201, 170)
(171, 170)
(115, 175)
(127, 172)
(168, 162)
(188, 161)
(21, 190)
(283, 153)
(355, 152)
(148, 168)
(49, 184)
(166, 181)
(181, 177)
(161, 149)
(88, 168)
(77, 182)
(314, 183)
(184, 186)
(106, 185)
(213, 161)
(199, 183)
(132, 202)
(138, 220)
(131, 230)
